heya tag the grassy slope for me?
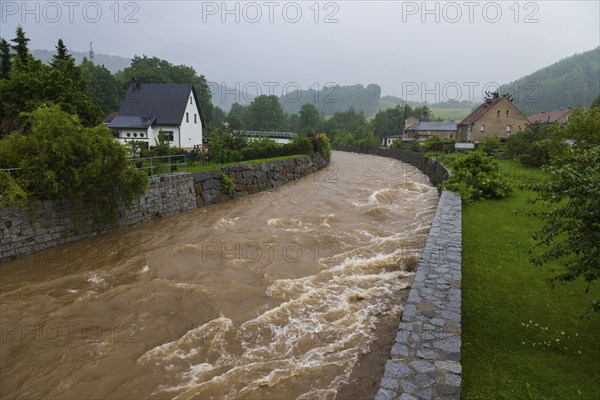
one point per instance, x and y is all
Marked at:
(454, 114)
(502, 292)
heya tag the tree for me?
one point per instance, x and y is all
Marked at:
(310, 119)
(265, 114)
(570, 202)
(102, 87)
(63, 160)
(32, 84)
(5, 59)
(62, 54)
(20, 46)
(490, 145)
(154, 70)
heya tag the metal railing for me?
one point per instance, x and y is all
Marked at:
(160, 165)
(10, 170)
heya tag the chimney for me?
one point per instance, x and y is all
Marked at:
(424, 116)
(136, 84)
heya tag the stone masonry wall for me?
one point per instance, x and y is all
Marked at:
(252, 178)
(52, 224)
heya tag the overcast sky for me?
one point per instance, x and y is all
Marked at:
(406, 47)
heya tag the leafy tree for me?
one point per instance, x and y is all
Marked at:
(490, 145)
(433, 143)
(310, 119)
(20, 46)
(5, 59)
(236, 116)
(63, 160)
(570, 202)
(265, 114)
(102, 87)
(32, 84)
(155, 70)
(389, 122)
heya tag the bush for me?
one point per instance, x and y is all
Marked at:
(477, 177)
(62, 160)
(490, 145)
(433, 143)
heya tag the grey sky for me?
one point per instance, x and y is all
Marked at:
(384, 42)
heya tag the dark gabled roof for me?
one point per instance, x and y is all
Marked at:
(433, 126)
(160, 103)
(548, 116)
(132, 122)
(480, 112)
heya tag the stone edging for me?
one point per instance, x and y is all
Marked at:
(425, 358)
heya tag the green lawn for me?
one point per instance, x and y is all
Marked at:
(211, 166)
(453, 114)
(507, 307)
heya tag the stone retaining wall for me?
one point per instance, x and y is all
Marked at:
(52, 224)
(252, 178)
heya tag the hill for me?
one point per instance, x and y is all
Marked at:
(570, 82)
(112, 63)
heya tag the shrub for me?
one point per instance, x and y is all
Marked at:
(227, 184)
(62, 160)
(490, 145)
(477, 177)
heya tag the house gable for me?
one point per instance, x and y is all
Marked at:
(152, 107)
(496, 117)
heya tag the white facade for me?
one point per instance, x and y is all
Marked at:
(186, 135)
(190, 132)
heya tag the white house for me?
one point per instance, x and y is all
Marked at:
(151, 107)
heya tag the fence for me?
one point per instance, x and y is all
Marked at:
(161, 165)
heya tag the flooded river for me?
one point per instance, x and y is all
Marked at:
(271, 296)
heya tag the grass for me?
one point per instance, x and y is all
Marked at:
(452, 114)
(507, 307)
(211, 166)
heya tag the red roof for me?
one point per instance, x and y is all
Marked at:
(479, 112)
(548, 116)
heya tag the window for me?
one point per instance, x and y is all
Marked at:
(135, 135)
(498, 114)
(507, 113)
(128, 134)
(187, 117)
(482, 128)
(168, 135)
(508, 128)
(195, 119)
(191, 100)
(141, 135)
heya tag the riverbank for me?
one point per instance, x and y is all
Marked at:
(52, 223)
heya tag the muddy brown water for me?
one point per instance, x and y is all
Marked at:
(273, 296)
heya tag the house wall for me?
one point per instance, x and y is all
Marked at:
(155, 130)
(495, 124)
(134, 134)
(191, 132)
(443, 134)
